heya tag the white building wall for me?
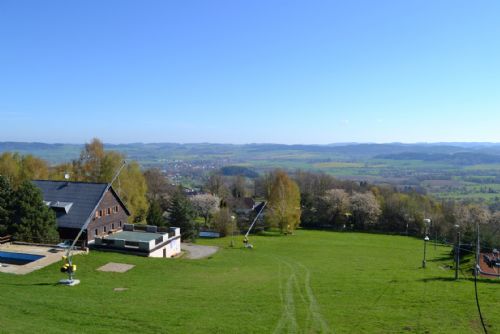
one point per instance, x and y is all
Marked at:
(174, 247)
(157, 253)
(171, 249)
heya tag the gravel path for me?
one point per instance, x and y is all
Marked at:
(197, 251)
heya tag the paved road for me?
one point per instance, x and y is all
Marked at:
(198, 251)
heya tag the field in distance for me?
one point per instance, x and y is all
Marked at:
(311, 282)
(447, 170)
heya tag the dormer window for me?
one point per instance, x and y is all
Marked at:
(60, 206)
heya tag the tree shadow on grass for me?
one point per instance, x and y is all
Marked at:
(452, 279)
(270, 234)
(441, 259)
(31, 284)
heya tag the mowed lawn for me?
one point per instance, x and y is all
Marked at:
(311, 282)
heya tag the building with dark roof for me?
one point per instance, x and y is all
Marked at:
(75, 203)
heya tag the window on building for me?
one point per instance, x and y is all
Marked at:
(97, 214)
(96, 232)
(104, 229)
(116, 208)
(100, 213)
(108, 211)
(120, 223)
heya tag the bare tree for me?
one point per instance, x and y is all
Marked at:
(263, 184)
(158, 185)
(216, 186)
(238, 187)
(224, 222)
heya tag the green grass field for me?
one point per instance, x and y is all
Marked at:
(307, 283)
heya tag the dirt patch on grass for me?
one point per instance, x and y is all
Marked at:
(116, 267)
(198, 251)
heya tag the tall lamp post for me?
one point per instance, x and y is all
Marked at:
(427, 222)
(232, 232)
(457, 252)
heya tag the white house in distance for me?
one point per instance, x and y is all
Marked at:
(146, 241)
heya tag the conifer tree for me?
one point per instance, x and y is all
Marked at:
(155, 214)
(32, 220)
(181, 214)
(5, 204)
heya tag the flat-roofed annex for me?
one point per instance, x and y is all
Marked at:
(134, 236)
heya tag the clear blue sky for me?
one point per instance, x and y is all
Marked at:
(250, 71)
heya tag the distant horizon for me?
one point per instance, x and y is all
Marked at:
(257, 143)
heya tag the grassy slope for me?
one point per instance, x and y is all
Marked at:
(310, 282)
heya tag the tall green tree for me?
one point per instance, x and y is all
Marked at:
(155, 214)
(18, 168)
(9, 166)
(6, 194)
(98, 165)
(33, 168)
(182, 214)
(88, 166)
(132, 189)
(32, 220)
(284, 203)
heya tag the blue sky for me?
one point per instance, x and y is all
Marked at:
(250, 71)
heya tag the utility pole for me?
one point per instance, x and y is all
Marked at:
(424, 262)
(426, 238)
(457, 252)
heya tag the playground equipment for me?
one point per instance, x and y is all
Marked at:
(246, 242)
(493, 261)
(68, 266)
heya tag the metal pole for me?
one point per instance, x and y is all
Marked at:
(258, 214)
(457, 255)
(425, 246)
(427, 222)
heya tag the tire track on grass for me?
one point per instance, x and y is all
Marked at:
(318, 321)
(299, 282)
(288, 318)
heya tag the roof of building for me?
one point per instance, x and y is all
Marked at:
(134, 236)
(259, 206)
(73, 202)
